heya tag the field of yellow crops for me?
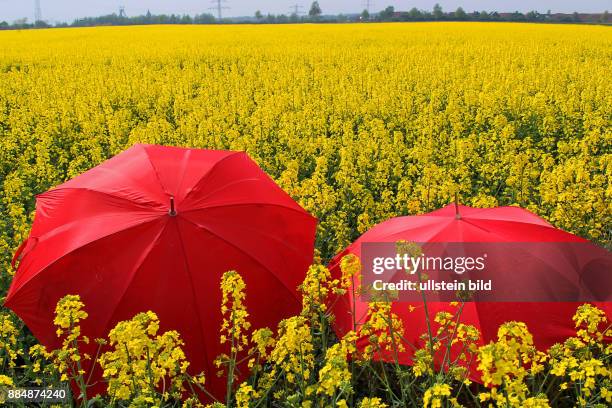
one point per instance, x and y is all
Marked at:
(357, 122)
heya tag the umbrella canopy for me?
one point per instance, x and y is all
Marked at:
(549, 322)
(154, 228)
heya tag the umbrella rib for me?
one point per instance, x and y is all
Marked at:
(471, 221)
(474, 223)
(184, 163)
(207, 174)
(144, 148)
(146, 204)
(226, 185)
(484, 210)
(426, 226)
(76, 249)
(53, 232)
(245, 253)
(282, 242)
(104, 169)
(133, 274)
(399, 228)
(299, 211)
(193, 294)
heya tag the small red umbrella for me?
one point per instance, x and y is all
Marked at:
(549, 322)
(154, 228)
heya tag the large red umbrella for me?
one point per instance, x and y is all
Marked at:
(549, 322)
(154, 228)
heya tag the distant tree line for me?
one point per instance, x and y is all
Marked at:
(118, 20)
(315, 14)
(114, 19)
(437, 14)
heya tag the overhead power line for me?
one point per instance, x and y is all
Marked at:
(296, 9)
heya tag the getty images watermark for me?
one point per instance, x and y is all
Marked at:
(413, 265)
(486, 271)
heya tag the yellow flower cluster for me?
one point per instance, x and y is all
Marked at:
(263, 341)
(235, 316)
(435, 395)
(140, 361)
(590, 320)
(350, 265)
(244, 395)
(422, 362)
(316, 288)
(372, 403)
(293, 352)
(507, 363)
(384, 330)
(5, 380)
(583, 361)
(68, 313)
(9, 349)
(68, 360)
(335, 374)
(41, 364)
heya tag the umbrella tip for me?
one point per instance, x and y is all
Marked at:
(172, 211)
(457, 214)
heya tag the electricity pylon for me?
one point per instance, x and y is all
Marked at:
(219, 6)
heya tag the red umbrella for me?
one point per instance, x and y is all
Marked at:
(549, 322)
(154, 228)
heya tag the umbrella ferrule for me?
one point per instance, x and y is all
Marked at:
(172, 210)
(457, 213)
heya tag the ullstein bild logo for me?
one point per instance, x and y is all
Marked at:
(489, 271)
(429, 264)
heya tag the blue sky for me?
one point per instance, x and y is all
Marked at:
(67, 10)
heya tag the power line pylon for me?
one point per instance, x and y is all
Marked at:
(219, 6)
(296, 9)
(37, 12)
(368, 4)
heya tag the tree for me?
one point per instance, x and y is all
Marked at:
(365, 15)
(204, 19)
(517, 16)
(460, 14)
(315, 10)
(21, 22)
(437, 12)
(414, 14)
(533, 15)
(258, 15)
(387, 13)
(605, 17)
